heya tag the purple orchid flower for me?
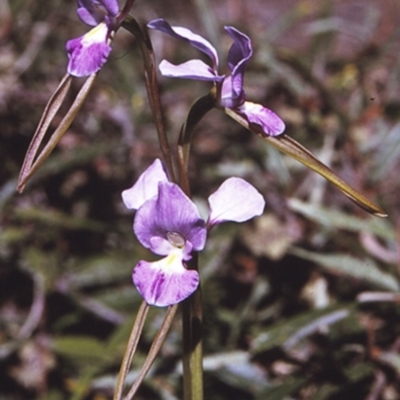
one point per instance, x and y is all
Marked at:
(88, 53)
(230, 92)
(168, 223)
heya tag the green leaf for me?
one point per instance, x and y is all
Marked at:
(58, 219)
(288, 333)
(236, 369)
(365, 270)
(82, 349)
(390, 358)
(283, 390)
(104, 269)
(334, 219)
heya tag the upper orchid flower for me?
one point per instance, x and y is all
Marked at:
(230, 92)
(168, 223)
(88, 53)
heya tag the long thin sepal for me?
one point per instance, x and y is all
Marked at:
(57, 135)
(295, 150)
(49, 112)
(154, 350)
(131, 349)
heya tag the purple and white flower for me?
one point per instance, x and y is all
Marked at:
(230, 92)
(88, 53)
(169, 224)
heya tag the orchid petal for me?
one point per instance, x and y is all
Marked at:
(240, 51)
(269, 122)
(88, 53)
(165, 282)
(232, 97)
(192, 69)
(93, 12)
(239, 54)
(235, 200)
(170, 212)
(145, 187)
(187, 35)
(87, 17)
(111, 6)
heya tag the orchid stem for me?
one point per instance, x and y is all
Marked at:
(192, 317)
(150, 75)
(200, 108)
(125, 11)
(131, 349)
(192, 323)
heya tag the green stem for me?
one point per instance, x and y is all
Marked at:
(200, 108)
(192, 313)
(192, 322)
(150, 76)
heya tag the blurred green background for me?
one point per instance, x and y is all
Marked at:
(301, 303)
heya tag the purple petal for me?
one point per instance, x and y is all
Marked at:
(88, 53)
(193, 69)
(93, 12)
(238, 57)
(240, 51)
(145, 187)
(111, 6)
(235, 200)
(187, 35)
(87, 17)
(232, 97)
(171, 211)
(165, 282)
(256, 114)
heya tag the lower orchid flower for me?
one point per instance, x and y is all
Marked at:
(230, 93)
(169, 224)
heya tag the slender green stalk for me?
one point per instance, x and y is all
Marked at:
(131, 349)
(200, 108)
(192, 307)
(150, 76)
(192, 312)
(192, 323)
